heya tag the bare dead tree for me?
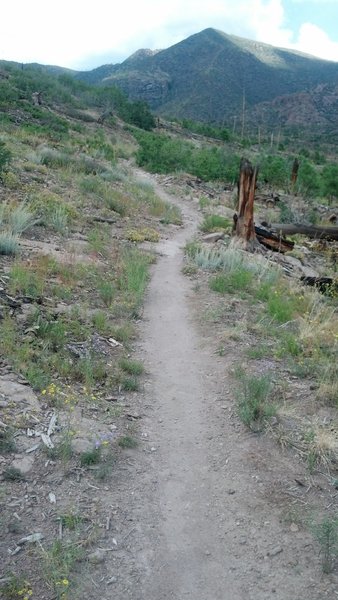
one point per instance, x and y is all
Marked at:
(37, 98)
(244, 226)
(294, 172)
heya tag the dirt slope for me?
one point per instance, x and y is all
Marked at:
(210, 527)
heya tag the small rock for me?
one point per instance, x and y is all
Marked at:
(213, 237)
(275, 551)
(81, 445)
(231, 492)
(294, 528)
(97, 557)
(23, 464)
(52, 498)
(112, 580)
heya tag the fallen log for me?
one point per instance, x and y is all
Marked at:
(326, 285)
(270, 240)
(101, 219)
(311, 231)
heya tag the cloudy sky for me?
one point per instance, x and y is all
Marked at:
(82, 34)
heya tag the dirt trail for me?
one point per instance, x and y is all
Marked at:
(205, 528)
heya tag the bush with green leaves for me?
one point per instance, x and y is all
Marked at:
(275, 170)
(308, 179)
(330, 180)
(219, 133)
(160, 153)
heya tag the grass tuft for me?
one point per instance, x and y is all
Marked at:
(127, 441)
(253, 399)
(12, 474)
(7, 443)
(9, 243)
(90, 457)
(132, 367)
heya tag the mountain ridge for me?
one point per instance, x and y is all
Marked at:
(222, 79)
(209, 75)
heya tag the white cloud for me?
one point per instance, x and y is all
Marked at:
(76, 33)
(314, 40)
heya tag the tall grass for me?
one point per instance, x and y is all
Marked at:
(21, 219)
(214, 222)
(134, 277)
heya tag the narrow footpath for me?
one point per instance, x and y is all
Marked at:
(205, 528)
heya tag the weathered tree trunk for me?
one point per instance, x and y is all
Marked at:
(311, 231)
(244, 221)
(294, 173)
(37, 98)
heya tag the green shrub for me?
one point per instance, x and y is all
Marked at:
(214, 222)
(308, 179)
(275, 170)
(253, 398)
(326, 533)
(163, 154)
(330, 180)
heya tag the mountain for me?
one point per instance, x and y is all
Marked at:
(210, 76)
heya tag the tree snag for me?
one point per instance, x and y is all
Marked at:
(244, 226)
(37, 98)
(294, 173)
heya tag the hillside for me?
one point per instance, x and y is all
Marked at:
(205, 76)
(168, 400)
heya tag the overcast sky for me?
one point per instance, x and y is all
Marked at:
(85, 34)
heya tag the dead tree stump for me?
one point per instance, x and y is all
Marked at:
(244, 226)
(37, 98)
(294, 173)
